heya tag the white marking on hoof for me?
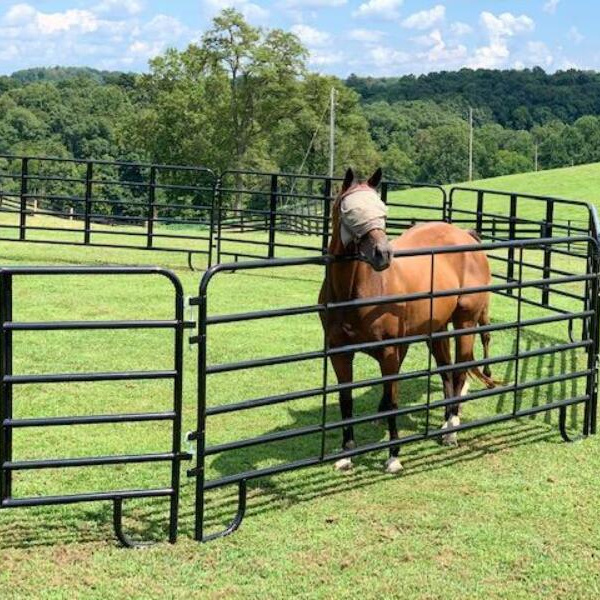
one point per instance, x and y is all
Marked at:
(393, 465)
(451, 439)
(344, 464)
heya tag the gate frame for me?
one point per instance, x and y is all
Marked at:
(589, 314)
(8, 380)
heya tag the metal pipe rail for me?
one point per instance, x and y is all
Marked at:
(586, 314)
(8, 379)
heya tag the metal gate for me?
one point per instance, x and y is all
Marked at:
(9, 381)
(549, 280)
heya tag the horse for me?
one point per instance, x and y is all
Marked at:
(358, 230)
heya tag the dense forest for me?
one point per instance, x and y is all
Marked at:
(243, 97)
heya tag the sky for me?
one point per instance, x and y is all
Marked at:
(366, 37)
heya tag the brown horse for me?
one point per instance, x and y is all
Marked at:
(358, 228)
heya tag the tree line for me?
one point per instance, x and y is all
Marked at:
(243, 98)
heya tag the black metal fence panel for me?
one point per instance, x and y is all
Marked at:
(10, 380)
(576, 380)
(107, 204)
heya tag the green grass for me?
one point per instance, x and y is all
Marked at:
(510, 513)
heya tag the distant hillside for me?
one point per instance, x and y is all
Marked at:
(516, 99)
(61, 74)
(578, 183)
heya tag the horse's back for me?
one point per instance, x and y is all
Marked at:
(433, 235)
(452, 270)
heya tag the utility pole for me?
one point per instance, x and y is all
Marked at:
(470, 143)
(332, 133)
(535, 157)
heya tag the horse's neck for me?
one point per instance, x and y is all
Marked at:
(343, 281)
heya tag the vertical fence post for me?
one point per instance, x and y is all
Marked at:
(151, 201)
(479, 221)
(384, 192)
(211, 233)
(272, 216)
(200, 435)
(23, 204)
(177, 410)
(219, 209)
(326, 211)
(5, 388)
(593, 267)
(547, 250)
(510, 265)
(87, 225)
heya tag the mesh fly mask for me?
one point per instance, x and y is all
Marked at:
(361, 211)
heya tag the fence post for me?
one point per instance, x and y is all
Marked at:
(547, 250)
(479, 222)
(151, 200)
(510, 265)
(23, 204)
(5, 388)
(87, 225)
(211, 233)
(384, 191)
(326, 209)
(272, 216)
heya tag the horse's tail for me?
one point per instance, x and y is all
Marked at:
(477, 373)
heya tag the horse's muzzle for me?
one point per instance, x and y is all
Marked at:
(382, 257)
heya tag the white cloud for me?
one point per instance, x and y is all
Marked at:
(250, 10)
(425, 19)
(575, 35)
(550, 6)
(324, 58)
(538, 54)
(438, 52)
(499, 28)
(366, 36)
(384, 9)
(314, 3)
(310, 36)
(506, 24)
(96, 36)
(117, 8)
(389, 56)
(459, 28)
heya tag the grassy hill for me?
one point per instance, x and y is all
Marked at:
(581, 182)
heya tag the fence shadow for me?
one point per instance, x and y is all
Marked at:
(92, 523)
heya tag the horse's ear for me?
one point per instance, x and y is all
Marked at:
(348, 180)
(375, 179)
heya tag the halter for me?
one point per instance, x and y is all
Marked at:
(361, 211)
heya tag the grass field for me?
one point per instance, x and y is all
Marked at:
(510, 513)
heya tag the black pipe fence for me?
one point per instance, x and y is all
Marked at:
(9, 380)
(239, 214)
(577, 380)
(545, 264)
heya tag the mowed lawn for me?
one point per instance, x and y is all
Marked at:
(510, 513)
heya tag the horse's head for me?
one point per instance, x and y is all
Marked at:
(359, 220)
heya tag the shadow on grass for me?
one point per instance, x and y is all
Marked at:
(148, 520)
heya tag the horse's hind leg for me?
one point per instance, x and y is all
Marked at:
(342, 365)
(484, 319)
(441, 352)
(390, 362)
(464, 353)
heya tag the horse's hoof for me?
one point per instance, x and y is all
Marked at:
(451, 439)
(344, 464)
(393, 465)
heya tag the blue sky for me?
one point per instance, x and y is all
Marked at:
(368, 37)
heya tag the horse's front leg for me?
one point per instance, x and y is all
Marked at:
(390, 362)
(342, 365)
